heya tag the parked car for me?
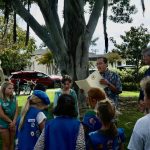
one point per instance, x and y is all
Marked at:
(21, 77)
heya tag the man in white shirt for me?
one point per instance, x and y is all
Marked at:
(140, 138)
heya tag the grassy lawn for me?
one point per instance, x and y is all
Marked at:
(22, 99)
(129, 94)
(51, 92)
(130, 113)
(128, 108)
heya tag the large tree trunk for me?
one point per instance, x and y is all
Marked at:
(69, 46)
(74, 30)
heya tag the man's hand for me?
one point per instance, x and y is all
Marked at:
(104, 81)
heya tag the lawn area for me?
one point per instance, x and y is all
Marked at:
(129, 94)
(127, 119)
(22, 99)
(51, 92)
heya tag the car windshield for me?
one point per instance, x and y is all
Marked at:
(42, 75)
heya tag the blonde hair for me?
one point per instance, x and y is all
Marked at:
(33, 101)
(3, 89)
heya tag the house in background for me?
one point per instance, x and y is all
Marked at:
(52, 69)
(120, 63)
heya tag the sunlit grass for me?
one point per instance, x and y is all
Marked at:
(129, 94)
(127, 121)
(22, 98)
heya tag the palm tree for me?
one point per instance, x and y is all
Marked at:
(48, 60)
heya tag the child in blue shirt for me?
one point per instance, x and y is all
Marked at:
(32, 120)
(108, 137)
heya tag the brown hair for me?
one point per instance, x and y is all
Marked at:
(146, 51)
(106, 113)
(145, 84)
(4, 85)
(105, 60)
(147, 89)
(96, 93)
(66, 78)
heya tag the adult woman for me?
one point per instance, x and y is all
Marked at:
(8, 115)
(140, 138)
(64, 132)
(66, 89)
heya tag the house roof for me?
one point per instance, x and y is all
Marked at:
(93, 55)
(40, 52)
(43, 51)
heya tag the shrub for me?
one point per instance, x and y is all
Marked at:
(129, 79)
(130, 86)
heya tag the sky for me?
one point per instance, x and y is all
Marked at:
(113, 29)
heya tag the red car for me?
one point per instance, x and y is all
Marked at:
(36, 77)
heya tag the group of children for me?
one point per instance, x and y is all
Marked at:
(31, 130)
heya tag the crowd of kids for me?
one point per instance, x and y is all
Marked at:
(30, 130)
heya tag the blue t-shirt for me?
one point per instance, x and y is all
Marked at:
(102, 141)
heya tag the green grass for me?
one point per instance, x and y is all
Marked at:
(127, 120)
(22, 99)
(129, 94)
(51, 92)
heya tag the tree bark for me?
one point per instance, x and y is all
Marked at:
(69, 45)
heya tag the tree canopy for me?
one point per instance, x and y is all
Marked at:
(14, 56)
(70, 43)
(133, 42)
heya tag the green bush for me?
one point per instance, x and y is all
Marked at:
(130, 86)
(130, 80)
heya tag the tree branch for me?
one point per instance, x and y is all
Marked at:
(51, 24)
(104, 24)
(37, 28)
(94, 17)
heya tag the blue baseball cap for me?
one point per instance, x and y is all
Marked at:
(42, 95)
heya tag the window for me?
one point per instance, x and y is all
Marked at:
(41, 75)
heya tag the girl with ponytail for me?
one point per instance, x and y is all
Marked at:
(32, 120)
(108, 137)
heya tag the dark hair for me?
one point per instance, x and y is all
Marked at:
(147, 89)
(146, 51)
(105, 60)
(65, 106)
(106, 113)
(40, 86)
(66, 78)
